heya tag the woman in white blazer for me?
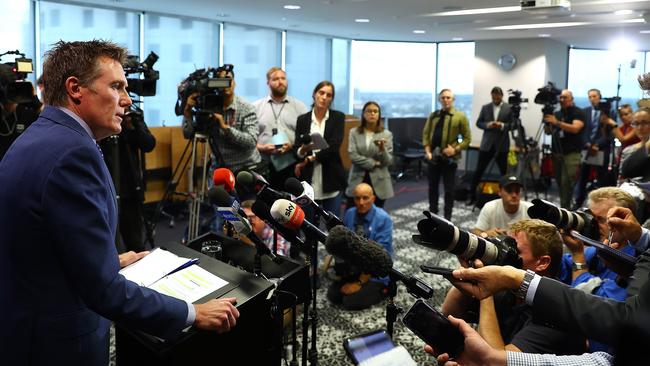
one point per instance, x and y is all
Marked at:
(370, 149)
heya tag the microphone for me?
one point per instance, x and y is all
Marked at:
(223, 177)
(261, 210)
(228, 207)
(305, 196)
(255, 183)
(365, 254)
(291, 216)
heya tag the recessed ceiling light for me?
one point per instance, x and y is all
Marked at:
(537, 26)
(419, 31)
(223, 15)
(457, 39)
(543, 35)
(647, 31)
(623, 12)
(292, 7)
(502, 9)
(636, 20)
(362, 20)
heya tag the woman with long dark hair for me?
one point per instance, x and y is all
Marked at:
(322, 168)
(370, 148)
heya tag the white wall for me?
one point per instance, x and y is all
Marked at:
(538, 61)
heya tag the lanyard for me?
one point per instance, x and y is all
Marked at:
(276, 116)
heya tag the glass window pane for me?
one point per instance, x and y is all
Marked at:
(183, 45)
(456, 72)
(17, 31)
(341, 73)
(308, 58)
(585, 64)
(400, 76)
(252, 50)
(95, 23)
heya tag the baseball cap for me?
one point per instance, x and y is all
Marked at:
(509, 179)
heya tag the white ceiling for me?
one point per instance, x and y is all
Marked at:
(395, 20)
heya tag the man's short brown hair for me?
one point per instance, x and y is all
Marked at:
(271, 71)
(79, 59)
(544, 239)
(622, 198)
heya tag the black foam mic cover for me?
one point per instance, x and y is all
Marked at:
(364, 254)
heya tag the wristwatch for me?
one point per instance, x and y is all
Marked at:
(525, 284)
(579, 266)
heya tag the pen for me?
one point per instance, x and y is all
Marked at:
(185, 265)
(609, 238)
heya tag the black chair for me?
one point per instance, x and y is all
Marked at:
(407, 153)
(407, 145)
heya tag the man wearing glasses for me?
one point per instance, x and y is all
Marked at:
(634, 159)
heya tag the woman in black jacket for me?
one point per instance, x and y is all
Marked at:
(322, 168)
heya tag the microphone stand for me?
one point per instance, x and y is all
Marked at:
(313, 352)
(414, 286)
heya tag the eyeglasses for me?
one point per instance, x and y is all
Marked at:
(371, 111)
(640, 123)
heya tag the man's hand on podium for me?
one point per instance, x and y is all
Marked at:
(218, 315)
(131, 257)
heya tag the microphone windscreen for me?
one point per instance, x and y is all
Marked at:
(245, 179)
(287, 213)
(223, 177)
(365, 254)
(220, 197)
(293, 186)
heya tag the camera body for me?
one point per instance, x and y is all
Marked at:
(209, 87)
(548, 95)
(582, 221)
(605, 105)
(145, 86)
(440, 234)
(14, 87)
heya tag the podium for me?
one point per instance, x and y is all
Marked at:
(249, 342)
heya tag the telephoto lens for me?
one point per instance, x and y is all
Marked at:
(581, 221)
(440, 234)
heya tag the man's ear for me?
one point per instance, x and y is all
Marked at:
(543, 263)
(73, 89)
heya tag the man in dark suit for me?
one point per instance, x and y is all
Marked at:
(58, 263)
(495, 120)
(597, 140)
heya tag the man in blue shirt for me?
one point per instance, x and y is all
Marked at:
(356, 290)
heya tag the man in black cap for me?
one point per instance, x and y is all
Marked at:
(497, 215)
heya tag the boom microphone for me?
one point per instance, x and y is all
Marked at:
(256, 183)
(291, 216)
(223, 177)
(364, 254)
(305, 197)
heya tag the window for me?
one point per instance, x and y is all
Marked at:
(308, 59)
(456, 72)
(341, 73)
(600, 69)
(252, 50)
(17, 31)
(401, 77)
(183, 45)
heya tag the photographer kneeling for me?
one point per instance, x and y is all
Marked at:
(504, 321)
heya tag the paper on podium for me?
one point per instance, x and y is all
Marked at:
(189, 284)
(152, 267)
(397, 356)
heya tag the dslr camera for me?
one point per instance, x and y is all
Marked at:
(548, 95)
(440, 234)
(209, 89)
(582, 220)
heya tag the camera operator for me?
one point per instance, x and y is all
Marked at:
(504, 321)
(233, 134)
(565, 126)
(131, 144)
(277, 114)
(597, 138)
(442, 149)
(496, 119)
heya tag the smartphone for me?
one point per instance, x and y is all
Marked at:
(364, 346)
(434, 328)
(444, 272)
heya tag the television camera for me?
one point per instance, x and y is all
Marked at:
(548, 96)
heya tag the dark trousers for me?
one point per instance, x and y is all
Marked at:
(448, 173)
(484, 157)
(277, 178)
(131, 224)
(583, 179)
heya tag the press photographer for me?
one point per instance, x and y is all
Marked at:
(564, 126)
(19, 105)
(124, 154)
(209, 106)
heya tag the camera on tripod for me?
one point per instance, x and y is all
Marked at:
(582, 220)
(605, 106)
(548, 96)
(13, 84)
(440, 234)
(515, 100)
(145, 86)
(208, 87)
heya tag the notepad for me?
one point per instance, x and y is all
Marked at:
(154, 266)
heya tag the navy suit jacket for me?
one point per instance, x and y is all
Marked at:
(603, 141)
(59, 280)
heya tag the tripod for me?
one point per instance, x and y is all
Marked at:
(195, 197)
(527, 153)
